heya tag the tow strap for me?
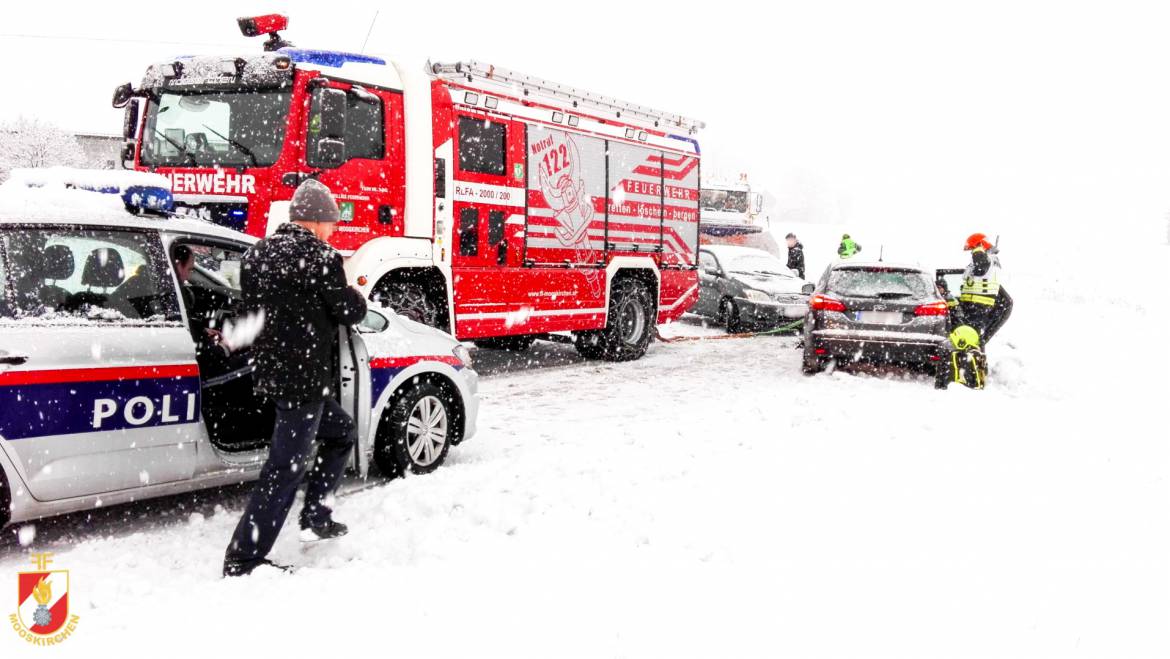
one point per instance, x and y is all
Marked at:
(738, 335)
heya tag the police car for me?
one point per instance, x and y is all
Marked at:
(109, 391)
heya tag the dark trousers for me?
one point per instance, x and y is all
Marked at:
(987, 319)
(297, 427)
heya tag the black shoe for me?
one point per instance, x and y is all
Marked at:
(244, 568)
(326, 531)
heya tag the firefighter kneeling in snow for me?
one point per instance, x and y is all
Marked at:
(983, 308)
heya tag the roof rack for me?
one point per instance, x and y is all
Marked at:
(470, 70)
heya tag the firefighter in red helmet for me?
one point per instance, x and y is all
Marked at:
(983, 302)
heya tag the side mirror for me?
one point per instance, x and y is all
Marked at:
(714, 272)
(757, 202)
(330, 153)
(373, 323)
(333, 108)
(808, 289)
(130, 120)
(122, 95)
(128, 155)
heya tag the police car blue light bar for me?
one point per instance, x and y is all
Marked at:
(148, 199)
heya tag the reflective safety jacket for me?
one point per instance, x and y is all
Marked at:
(981, 278)
(848, 248)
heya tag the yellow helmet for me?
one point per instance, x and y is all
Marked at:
(965, 337)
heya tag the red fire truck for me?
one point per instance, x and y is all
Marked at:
(493, 204)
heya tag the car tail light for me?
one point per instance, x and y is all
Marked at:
(933, 309)
(826, 303)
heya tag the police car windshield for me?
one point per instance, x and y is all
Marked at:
(220, 128)
(879, 283)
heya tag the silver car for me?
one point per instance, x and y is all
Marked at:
(103, 398)
(745, 288)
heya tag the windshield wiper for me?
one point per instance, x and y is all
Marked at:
(243, 149)
(182, 148)
(893, 296)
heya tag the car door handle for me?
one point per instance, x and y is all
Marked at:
(13, 360)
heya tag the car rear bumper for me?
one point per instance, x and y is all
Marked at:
(885, 347)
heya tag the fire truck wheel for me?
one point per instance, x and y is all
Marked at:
(630, 327)
(413, 301)
(419, 430)
(512, 343)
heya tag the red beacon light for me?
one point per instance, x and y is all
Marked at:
(270, 24)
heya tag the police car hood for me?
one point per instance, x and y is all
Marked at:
(403, 337)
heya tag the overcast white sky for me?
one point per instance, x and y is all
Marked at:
(957, 116)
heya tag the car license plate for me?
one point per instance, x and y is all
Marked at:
(880, 317)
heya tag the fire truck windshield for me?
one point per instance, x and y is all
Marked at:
(729, 201)
(219, 128)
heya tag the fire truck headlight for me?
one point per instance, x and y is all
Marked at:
(282, 63)
(462, 354)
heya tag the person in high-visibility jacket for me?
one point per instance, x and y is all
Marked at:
(848, 247)
(983, 302)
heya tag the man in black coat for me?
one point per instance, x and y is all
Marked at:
(296, 280)
(795, 255)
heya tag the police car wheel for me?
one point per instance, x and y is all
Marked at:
(630, 326)
(421, 429)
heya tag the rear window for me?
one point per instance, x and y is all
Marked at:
(880, 283)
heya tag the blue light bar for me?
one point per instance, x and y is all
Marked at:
(331, 58)
(148, 199)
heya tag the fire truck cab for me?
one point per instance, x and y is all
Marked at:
(488, 203)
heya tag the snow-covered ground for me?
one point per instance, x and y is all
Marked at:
(710, 500)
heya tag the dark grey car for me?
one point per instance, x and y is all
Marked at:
(744, 287)
(878, 313)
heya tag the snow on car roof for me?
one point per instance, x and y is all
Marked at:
(46, 196)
